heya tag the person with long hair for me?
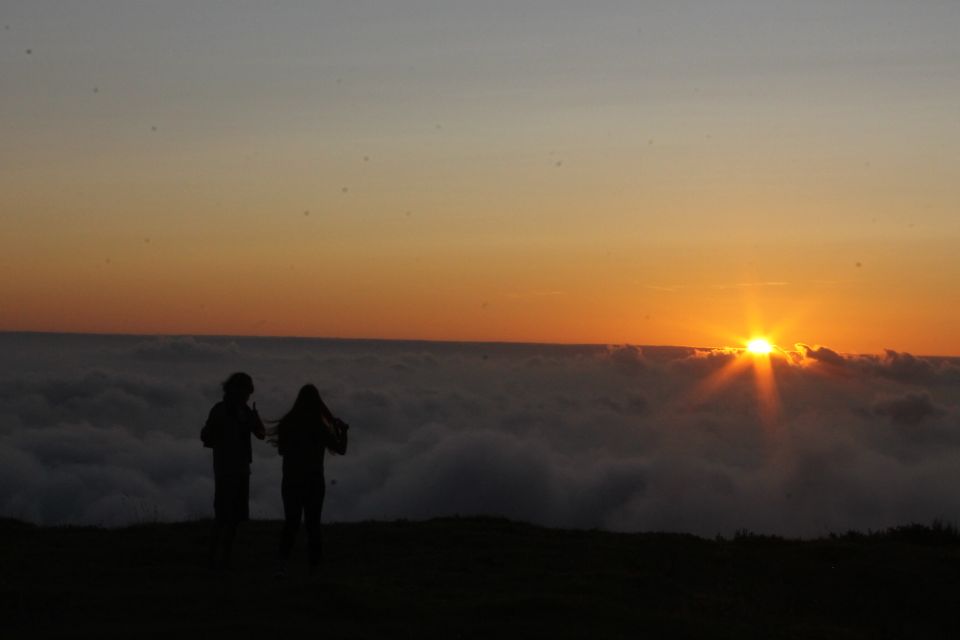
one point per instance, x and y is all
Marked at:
(227, 431)
(302, 438)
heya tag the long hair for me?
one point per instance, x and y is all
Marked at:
(308, 412)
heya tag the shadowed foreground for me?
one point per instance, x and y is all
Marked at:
(468, 578)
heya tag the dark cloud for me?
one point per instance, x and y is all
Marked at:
(97, 397)
(628, 357)
(912, 370)
(101, 430)
(911, 408)
(905, 367)
(821, 354)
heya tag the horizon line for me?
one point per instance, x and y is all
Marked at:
(517, 343)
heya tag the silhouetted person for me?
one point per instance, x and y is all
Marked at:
(227, 432)
(302, 438)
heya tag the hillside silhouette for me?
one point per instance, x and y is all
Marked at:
(480, 578)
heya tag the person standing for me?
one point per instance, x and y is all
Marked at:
(227, 431)
(302, 438)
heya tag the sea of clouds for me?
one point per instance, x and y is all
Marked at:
(104, 430)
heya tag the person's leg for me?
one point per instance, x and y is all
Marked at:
(229, 534)
(215, 534)
(221, 511)
(314, 510)
(292, 508)
(237, 510)
(234, 508)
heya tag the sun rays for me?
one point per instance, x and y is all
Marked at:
(768, 399)
(757, 355)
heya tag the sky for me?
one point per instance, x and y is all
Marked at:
(105, 431)
(659, 173)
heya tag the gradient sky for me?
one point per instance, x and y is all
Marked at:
(555, 171)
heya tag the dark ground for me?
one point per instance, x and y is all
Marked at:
(479, 578)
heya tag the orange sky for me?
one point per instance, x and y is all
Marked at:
(646, 187)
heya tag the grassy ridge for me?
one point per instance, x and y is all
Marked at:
(476, 577)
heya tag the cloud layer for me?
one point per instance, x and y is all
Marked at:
(105, 430)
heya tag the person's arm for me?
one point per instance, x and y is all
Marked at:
(212, 430)
(256, 426)
(338, 443)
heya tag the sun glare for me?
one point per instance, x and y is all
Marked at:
(759, 346)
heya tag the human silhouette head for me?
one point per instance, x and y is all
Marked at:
(309, 394)
(309, 403)
(238, 387)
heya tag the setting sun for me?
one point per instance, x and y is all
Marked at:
(759, 346)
